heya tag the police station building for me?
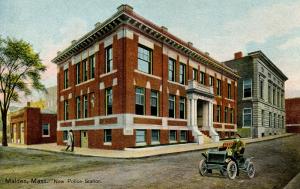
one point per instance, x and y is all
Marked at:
(130, 83)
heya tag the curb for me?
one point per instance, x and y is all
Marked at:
(294, 182)
(247, 141)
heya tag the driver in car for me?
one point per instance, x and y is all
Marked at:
(238, 146)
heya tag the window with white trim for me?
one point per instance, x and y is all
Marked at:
(171, 68)
(183, 136)
(154, 103)
(229, 91)
(78, 80)
(172, 106)
(78, 107)
(182, 108)
(107, 135)
(66, 110)
(247, 86)
(108, 59)
(140, 136)
(92, 66)
(172, 135)
(144, 59)
(155, 135)
(182, 73)
(66, 78)
(202, 78)
(108, 101)
(139, 101)
(85, 70)
(211, 81)
(218, 87)
(195, 74)
(46, 130)
(261, 88)
(218, 113)
(85, 106)
(247, 117)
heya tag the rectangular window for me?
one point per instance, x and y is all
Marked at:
(211, 81)
(225, 114)
(270, 119)
(182, 73)
(183, 136)
(229, 91)
(140, 136)
(279, 122)
(218, 87)
(247, 117)
(78, 80)
(92, 66)
(107, 135)
(261, 88)
(262, 118)
(66, 78)
(274, 95)
(154, 103)
(282, 121)
(282, 100)
(231, 115)
(144, 59)
(108, 101)
(78, 107)
(247, 84)
(195, 74)
(46, 130)
(182, 108)
(269, 94)
(85, 106)
(218, 113)
(278, 96)
(171, 69)
(172, 106)
(65, 135)
(139, 101)
(85, 70)
(274, 120)
(202, 78)
(155, 136)
(108, 59)
(172, 135)
(66, 110)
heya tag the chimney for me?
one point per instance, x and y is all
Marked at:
(164, 28)
(190, 44)
(238, 55)
(206, 53)
(125, 7)
(97, 24)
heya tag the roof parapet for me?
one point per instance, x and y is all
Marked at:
(125, 7)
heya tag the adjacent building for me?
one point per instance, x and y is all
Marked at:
(261, 104)
(29, 125)
(292, 109)
(129, 83)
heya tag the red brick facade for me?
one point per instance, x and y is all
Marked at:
(292, 110)
(26, 126)
(124, 78)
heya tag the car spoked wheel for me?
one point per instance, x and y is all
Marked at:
(231, 170)
(250, 170)
(203, 167)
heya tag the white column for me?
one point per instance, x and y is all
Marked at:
(195, 113)
(212, 132)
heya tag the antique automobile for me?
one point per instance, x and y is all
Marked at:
(227, 162)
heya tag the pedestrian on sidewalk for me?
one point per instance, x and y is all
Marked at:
(70, 141)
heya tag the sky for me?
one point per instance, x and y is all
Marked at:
(215, 26)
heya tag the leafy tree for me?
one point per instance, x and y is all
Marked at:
(20, 73)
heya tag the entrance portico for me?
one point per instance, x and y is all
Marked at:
(200, 111)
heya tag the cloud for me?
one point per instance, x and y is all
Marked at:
(290, 43)
(70, 30)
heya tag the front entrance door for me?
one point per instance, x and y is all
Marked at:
(84, 139)
(200, 113)
(22, 133)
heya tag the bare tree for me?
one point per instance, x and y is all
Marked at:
(20, 72)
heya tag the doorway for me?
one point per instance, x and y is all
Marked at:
(84, 139)
(200, 113)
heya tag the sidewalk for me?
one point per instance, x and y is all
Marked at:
(130, 153)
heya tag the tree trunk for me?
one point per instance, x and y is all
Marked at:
(4, 133)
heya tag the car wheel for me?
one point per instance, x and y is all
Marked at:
(203, 167)
(232, 170)
(250, 170)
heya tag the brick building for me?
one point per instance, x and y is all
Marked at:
(260, 94)
(129, 82)
(31, 126)
(292, 110)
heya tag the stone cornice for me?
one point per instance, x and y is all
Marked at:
(128, 17)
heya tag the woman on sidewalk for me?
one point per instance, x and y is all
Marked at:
(70, 141)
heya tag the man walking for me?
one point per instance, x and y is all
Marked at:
(70, 141)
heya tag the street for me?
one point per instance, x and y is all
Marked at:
(276, 162)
